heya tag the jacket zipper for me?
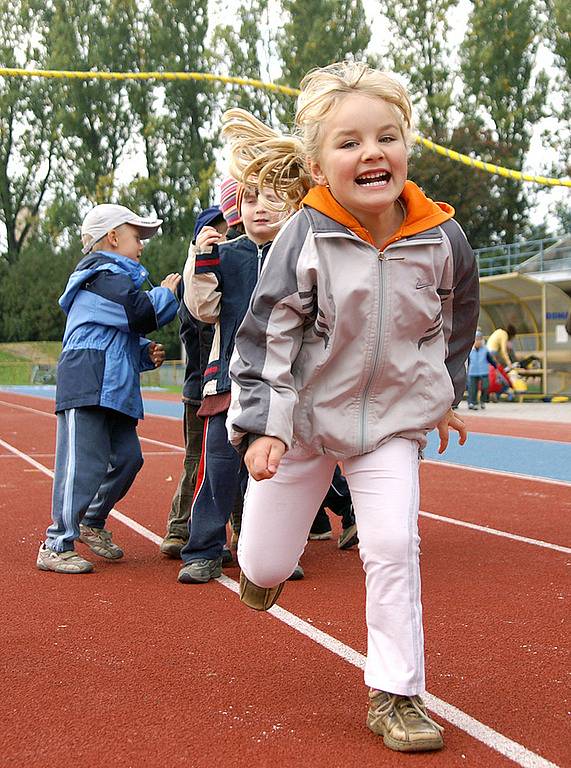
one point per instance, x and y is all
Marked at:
(260, 256)
(377, 352)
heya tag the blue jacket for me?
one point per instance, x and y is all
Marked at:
(103, 348)
(479, 361)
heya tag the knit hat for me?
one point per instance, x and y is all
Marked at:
(205, 218)
(229, 191)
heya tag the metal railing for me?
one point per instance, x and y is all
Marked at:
(548, 254)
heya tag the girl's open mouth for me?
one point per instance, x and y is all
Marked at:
(377, 179)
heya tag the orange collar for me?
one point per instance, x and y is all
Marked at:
(422, 213)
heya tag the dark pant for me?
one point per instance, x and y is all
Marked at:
(98, 455)
(473, 389)
(219, 479)
(338, 500)
(193, 428)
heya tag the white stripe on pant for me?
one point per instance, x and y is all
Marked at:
(278, 514)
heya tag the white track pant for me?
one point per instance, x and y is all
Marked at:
(278, 514)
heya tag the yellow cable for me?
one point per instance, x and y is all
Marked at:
(450, 153)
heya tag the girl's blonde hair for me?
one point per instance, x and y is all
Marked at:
(265, 157)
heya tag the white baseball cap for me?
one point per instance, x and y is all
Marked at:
(103, 218)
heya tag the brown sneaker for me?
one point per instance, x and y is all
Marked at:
(403, 722)
(258, 598)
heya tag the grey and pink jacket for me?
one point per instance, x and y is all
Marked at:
(345, 346)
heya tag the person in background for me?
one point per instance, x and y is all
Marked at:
(338, 500)
(196, 338)
(479, 360)
(98, 394)
(229, 207)
(500, 345)
(219, 278)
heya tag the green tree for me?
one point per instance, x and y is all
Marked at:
(316, 33)
(419, 49)
(29, 292)
(29, 134)
(177, 121)
(501, 92)
(244, 49)
(94, 114)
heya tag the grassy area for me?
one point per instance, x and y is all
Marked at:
(34, 362)
(31, 362)
(30, 351)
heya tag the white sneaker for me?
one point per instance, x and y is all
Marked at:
(99, 541)
(62, 562)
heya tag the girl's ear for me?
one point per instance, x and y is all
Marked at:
(317, 174)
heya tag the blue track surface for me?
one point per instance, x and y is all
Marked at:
(537, 458)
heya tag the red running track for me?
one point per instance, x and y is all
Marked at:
(127, 667)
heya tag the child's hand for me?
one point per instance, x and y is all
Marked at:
(171, 282)
(263, 456)
(207, 237)
(156, 353)
(450, 421)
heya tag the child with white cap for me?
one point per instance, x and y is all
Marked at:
(98, 397)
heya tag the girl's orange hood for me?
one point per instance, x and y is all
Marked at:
(422, 213)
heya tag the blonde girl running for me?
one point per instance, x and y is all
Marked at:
(353, 349)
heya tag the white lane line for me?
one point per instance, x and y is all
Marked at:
(500, 473)
(474, 728)
(495, 532)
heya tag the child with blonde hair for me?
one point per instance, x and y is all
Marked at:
(353, 349)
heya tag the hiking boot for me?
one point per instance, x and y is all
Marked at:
(348, 537)
(258, 598)
(100, 542)
(62, 562)
(200, 571)
(297, 573)
(403, 722)
(171, 546)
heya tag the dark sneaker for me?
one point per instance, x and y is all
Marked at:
(171, 546)
(321, 527)
(200, 571)
(227, 558)
(348, 537)
(320, 536)
(62, 562)
(99, 540)
(298, 573)
(403, 722)
(482, 406)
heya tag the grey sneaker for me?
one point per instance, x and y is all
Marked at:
(348, 537)
(298, 573)
(171, 546)
(200, 571)
(99, 541)
(403, 722)
(62, 562)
